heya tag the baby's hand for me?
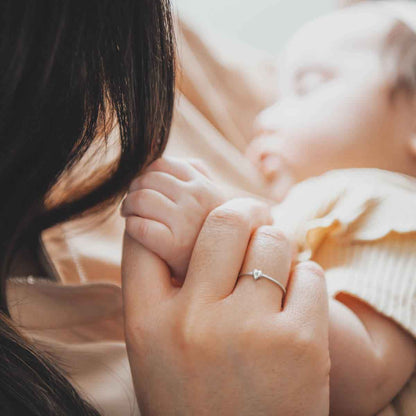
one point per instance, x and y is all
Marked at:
(166, 207)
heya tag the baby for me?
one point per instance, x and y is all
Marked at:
(347, 101)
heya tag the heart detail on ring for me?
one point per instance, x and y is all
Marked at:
(257, 274)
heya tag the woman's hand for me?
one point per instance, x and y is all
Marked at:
(222, 345)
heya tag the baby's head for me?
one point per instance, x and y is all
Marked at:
(347, 98)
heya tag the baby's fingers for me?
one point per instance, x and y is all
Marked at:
(173, 166)
(201, 167)
(149, 204)
(153, 235)
(161, 182)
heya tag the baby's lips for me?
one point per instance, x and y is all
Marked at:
(270, 166)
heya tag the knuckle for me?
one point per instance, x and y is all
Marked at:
(258, 209)
(139, 198)
(303, 339)
(142, 196)
(198, 189)
(204, 193)
(135, 198)
(228, 216)
(137, 228)
(201, 166)
(257, 204)
(194, 339)
(307, 345)
(198, 162)
(194, 335)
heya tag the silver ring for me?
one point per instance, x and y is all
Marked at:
(258, 274)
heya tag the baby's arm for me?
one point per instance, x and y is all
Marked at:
(371, 358)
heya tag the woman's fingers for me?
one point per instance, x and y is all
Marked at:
(306, 302)
(146, 279)
(272, 253)
(221, 246)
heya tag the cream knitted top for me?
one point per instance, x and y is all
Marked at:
(360, 226)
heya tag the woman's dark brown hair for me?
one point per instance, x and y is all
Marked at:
(70, 70)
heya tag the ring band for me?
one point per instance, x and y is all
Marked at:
(258, 274)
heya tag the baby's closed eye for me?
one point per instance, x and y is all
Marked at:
(309, 79)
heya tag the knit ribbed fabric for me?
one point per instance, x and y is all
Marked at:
(360, 226)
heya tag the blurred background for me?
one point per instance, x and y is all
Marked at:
(264, 24)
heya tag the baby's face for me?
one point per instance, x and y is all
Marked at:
(334, 109)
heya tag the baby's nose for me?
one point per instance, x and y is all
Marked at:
(267, 122)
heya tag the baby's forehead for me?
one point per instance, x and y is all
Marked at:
(359, 29)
